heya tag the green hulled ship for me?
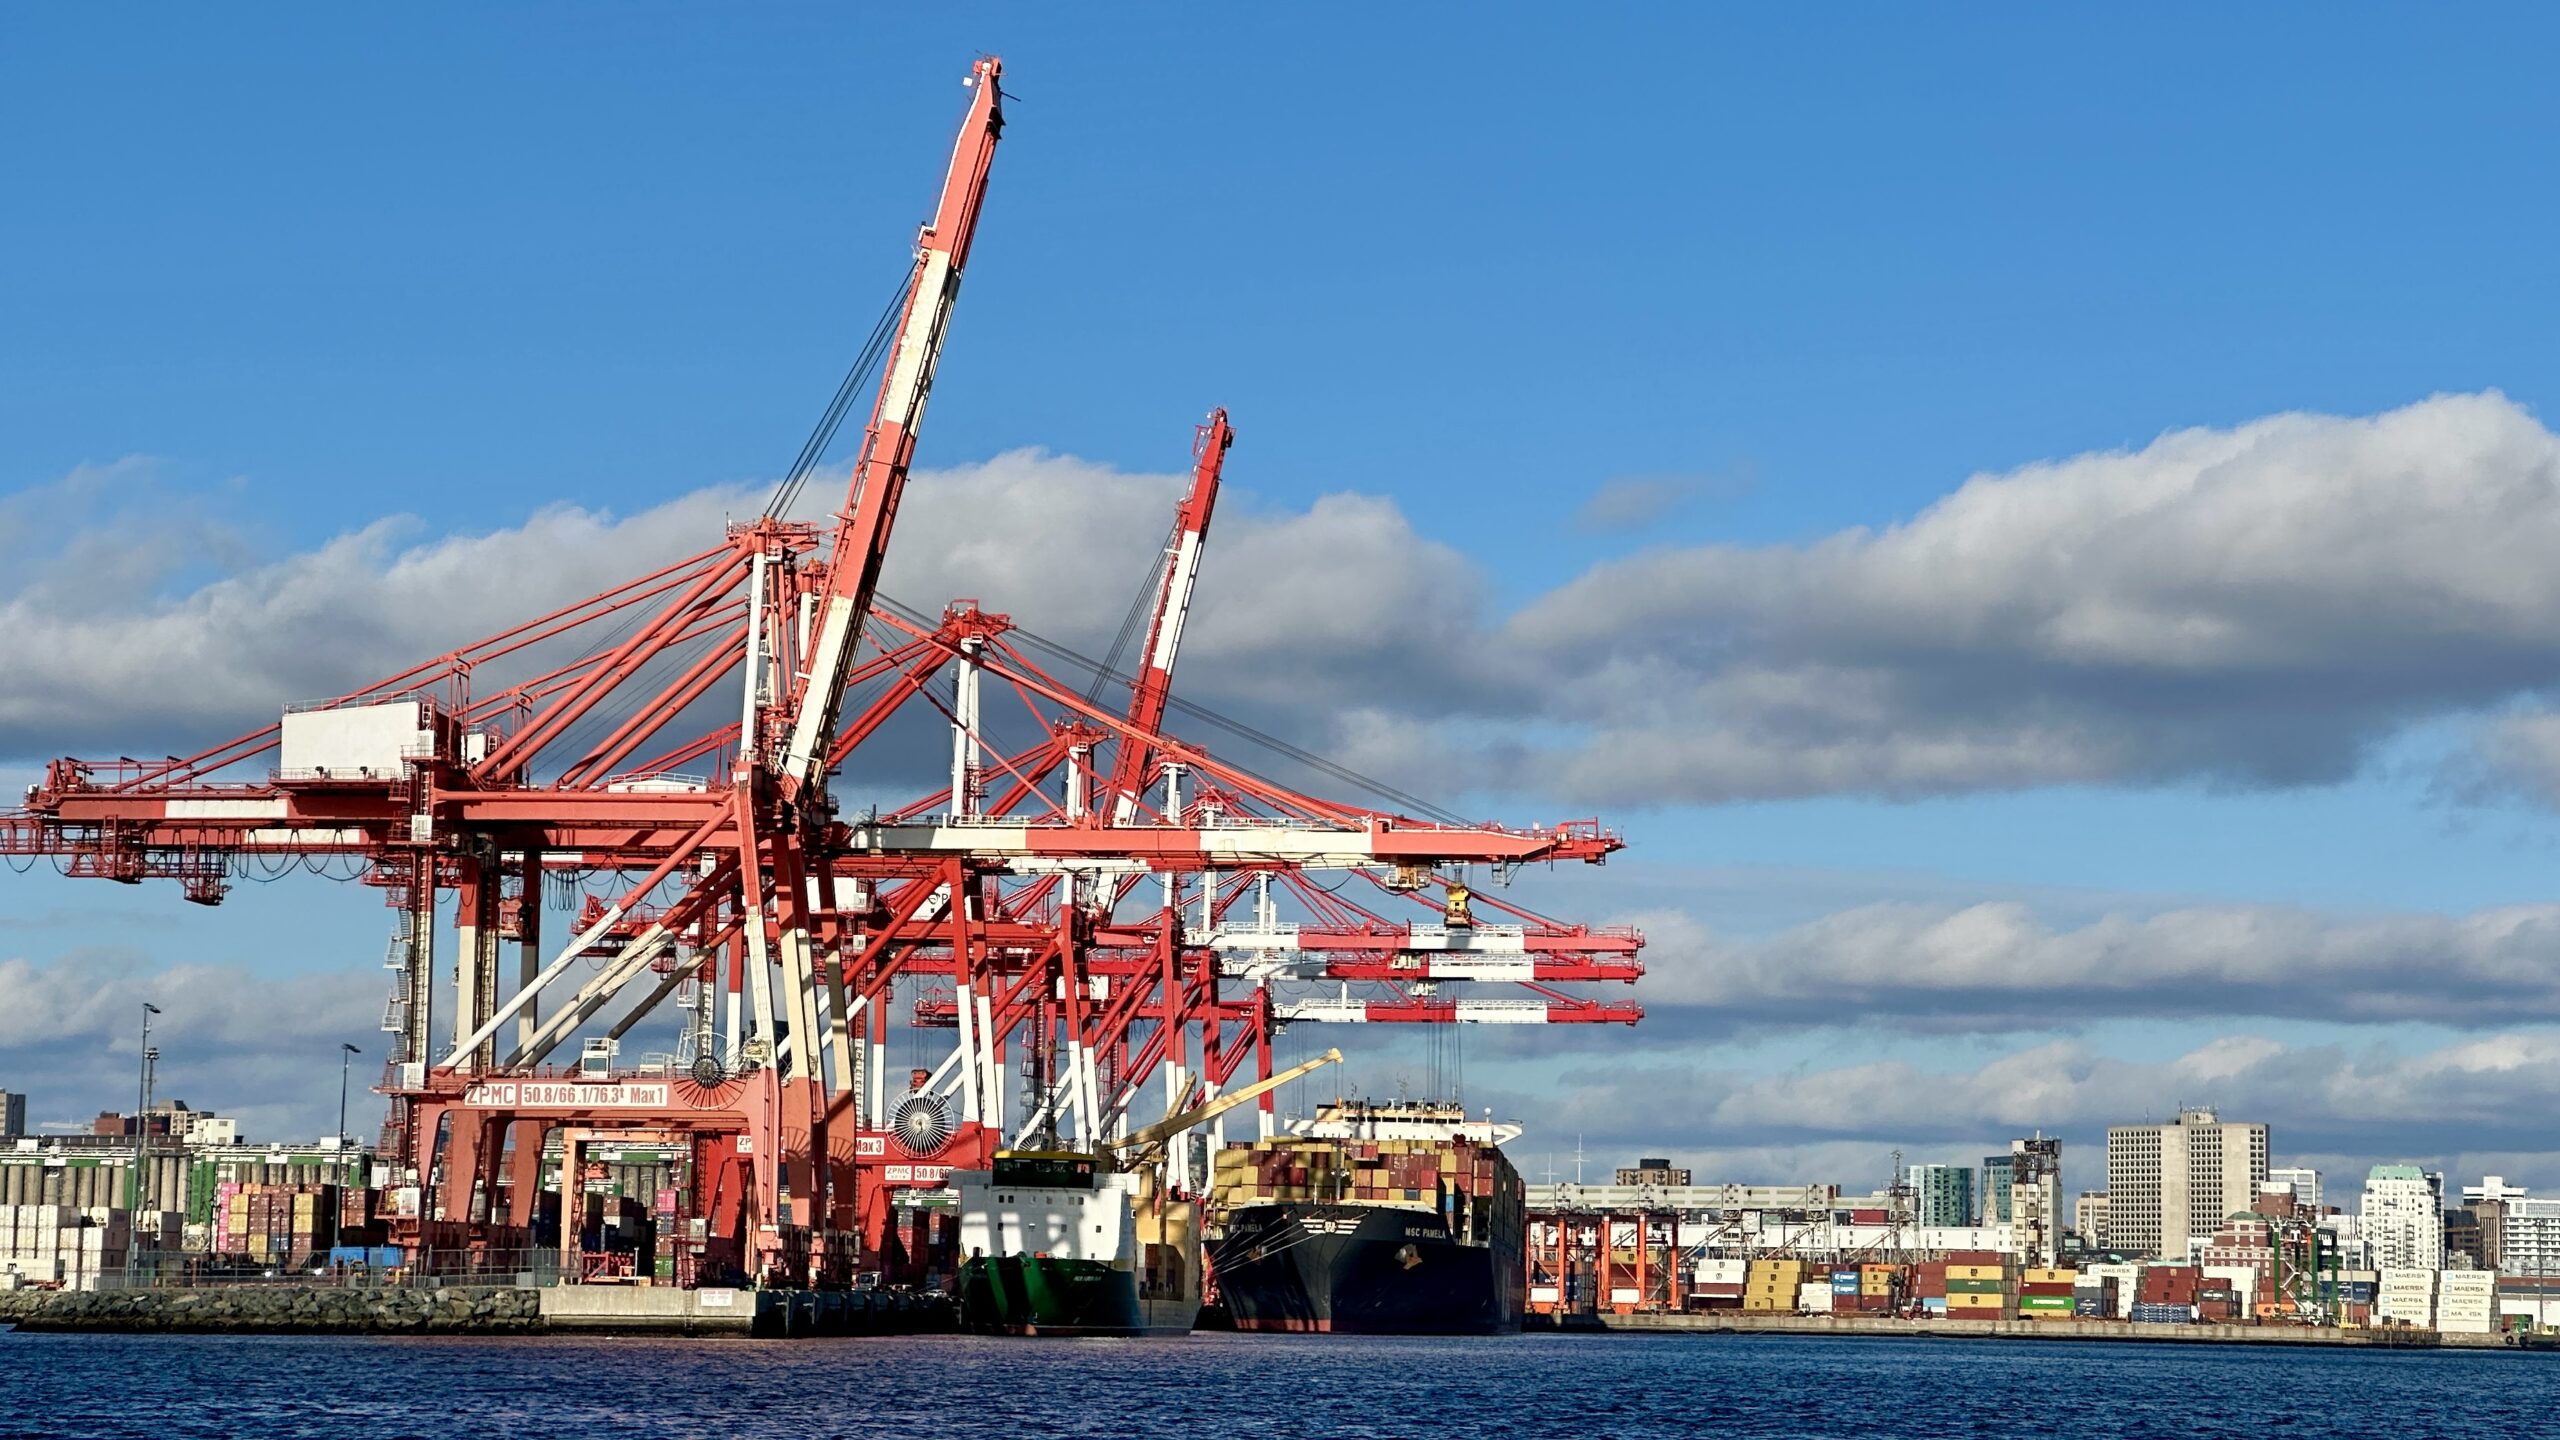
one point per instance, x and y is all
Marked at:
(1057, 1242)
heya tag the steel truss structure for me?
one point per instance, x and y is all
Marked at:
(1110, 905)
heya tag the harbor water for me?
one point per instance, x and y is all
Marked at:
(1587, 1387)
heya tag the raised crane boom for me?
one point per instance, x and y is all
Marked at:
(1140, 1148)
(1154, 685)
(861, 539)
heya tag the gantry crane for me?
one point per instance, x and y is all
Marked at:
(1104, 904)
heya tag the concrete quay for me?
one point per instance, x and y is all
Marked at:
(1732, 1322)
(477, 1310)
(280, 1310)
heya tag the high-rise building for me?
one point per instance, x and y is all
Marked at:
(2492, 1202)
(2169, 1185)
(2035, 1199)
(2089, 1217)
(2528, 1236)
(1944, 1194)
(1991, 1197)
(13, 1114)
(2305, 1183)
(2403, 1218)
(1653, 1170)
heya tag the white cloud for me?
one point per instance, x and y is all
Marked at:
(260, 1047)
(2259, 605)
(1996, 966)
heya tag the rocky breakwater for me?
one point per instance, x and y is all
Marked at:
(281, 1310)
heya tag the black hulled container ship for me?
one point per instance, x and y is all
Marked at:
(1372, 1219)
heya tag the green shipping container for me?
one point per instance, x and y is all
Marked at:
(1976, 1287)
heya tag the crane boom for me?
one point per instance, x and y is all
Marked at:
(1140, 1145)
(861, 541)
(1154, 685)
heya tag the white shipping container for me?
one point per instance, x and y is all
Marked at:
(1816, 1297)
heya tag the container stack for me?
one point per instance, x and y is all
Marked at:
(2406, 1297)
(1813, 1297)
(1979, 1290)
(2252, 1288)
(1773, 1286)
(67, 1245)
(2093, 1297)
(2121, 1282)
(282, 1225)
(2167, 1295)
(2466, 1302)
(1929, 1287)
(1875, 1290)
(2046, 1293)
(1718, 1285)
(1469, 1183)
(2356, 1294)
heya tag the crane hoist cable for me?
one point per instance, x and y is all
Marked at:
(1141, 606)
(787, 493)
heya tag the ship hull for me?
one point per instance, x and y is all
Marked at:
(1363, 1270)
(1043, 1295)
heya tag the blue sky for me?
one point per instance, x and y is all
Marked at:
(1798, 276)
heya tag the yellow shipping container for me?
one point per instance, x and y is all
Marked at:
(1958, 1300)
(2043, 1276)
(1977, 1272)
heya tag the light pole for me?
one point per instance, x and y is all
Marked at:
(141, 1138)
(346, 1058)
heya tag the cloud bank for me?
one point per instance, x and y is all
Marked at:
(2260, 605)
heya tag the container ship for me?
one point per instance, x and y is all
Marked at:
(1089, 1242)
(1372, 1219)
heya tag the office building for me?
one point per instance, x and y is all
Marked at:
(2303, 1181)
(2089, 1218)
(2169, 1186)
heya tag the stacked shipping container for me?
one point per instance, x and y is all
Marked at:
(1773, 1286)
(72, 1245)
(1468, 1184)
